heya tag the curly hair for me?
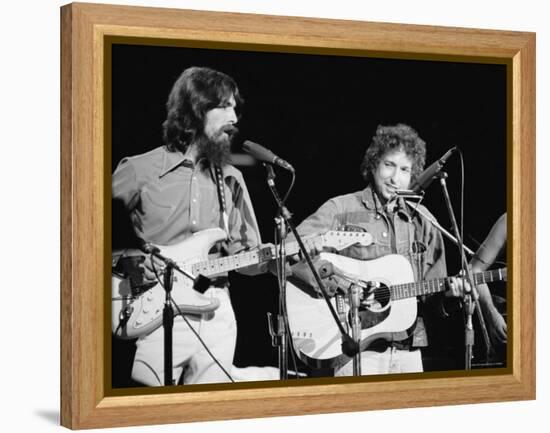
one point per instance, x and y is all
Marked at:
(195, 92)
(389, 138)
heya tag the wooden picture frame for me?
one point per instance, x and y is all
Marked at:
(84, 402)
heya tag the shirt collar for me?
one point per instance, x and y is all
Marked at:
(172, 160)
(371, 201)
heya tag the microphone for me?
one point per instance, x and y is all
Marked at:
(427, 176)
(265, 155)
(148, 247)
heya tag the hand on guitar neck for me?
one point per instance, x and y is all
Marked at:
(458, 286)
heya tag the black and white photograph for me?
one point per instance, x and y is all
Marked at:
(242, 216)
(293, 216)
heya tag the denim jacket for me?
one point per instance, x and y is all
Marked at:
(399, 231)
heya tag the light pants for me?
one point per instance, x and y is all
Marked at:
(218, 330)
(390, 361)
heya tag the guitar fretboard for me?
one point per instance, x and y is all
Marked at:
(229, 263)
(409, 290)
(333, 239)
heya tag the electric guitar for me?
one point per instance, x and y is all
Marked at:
(136, 314)
(388, 307)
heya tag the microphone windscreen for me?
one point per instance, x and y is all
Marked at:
(201, 284)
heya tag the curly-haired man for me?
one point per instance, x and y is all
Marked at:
(393, 160)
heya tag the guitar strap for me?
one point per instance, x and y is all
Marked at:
(221, 198)
(416, 248)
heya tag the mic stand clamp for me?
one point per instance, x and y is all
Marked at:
(468, 294)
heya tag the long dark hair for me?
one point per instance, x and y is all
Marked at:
(195, 92)
(398, 137)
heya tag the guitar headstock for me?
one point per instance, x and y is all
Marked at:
(504, 274)
(340, 239)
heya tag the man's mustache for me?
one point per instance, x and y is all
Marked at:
(229, 130)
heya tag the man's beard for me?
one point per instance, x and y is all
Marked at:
(217, 149)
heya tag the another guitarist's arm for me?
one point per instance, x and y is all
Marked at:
(483, 258)
(496, 323)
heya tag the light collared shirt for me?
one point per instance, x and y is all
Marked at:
(169, 198)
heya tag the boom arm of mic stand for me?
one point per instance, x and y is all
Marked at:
(431, 219)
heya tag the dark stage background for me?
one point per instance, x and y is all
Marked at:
(319, 113)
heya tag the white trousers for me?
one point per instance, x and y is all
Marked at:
(219, 332)
(390, 361)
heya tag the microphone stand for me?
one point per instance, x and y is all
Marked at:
(470, 301)
(200, 284)
(278, 330)
(350, 347)
(168, 324)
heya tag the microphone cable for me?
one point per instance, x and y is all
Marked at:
(290, 187)
(481, 319)
(461, 195)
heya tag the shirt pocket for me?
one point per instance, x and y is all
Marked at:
(375, 224)
(403, 246)
(159, 202)
(419, 259)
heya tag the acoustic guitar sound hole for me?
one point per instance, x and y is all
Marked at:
(376, 296)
